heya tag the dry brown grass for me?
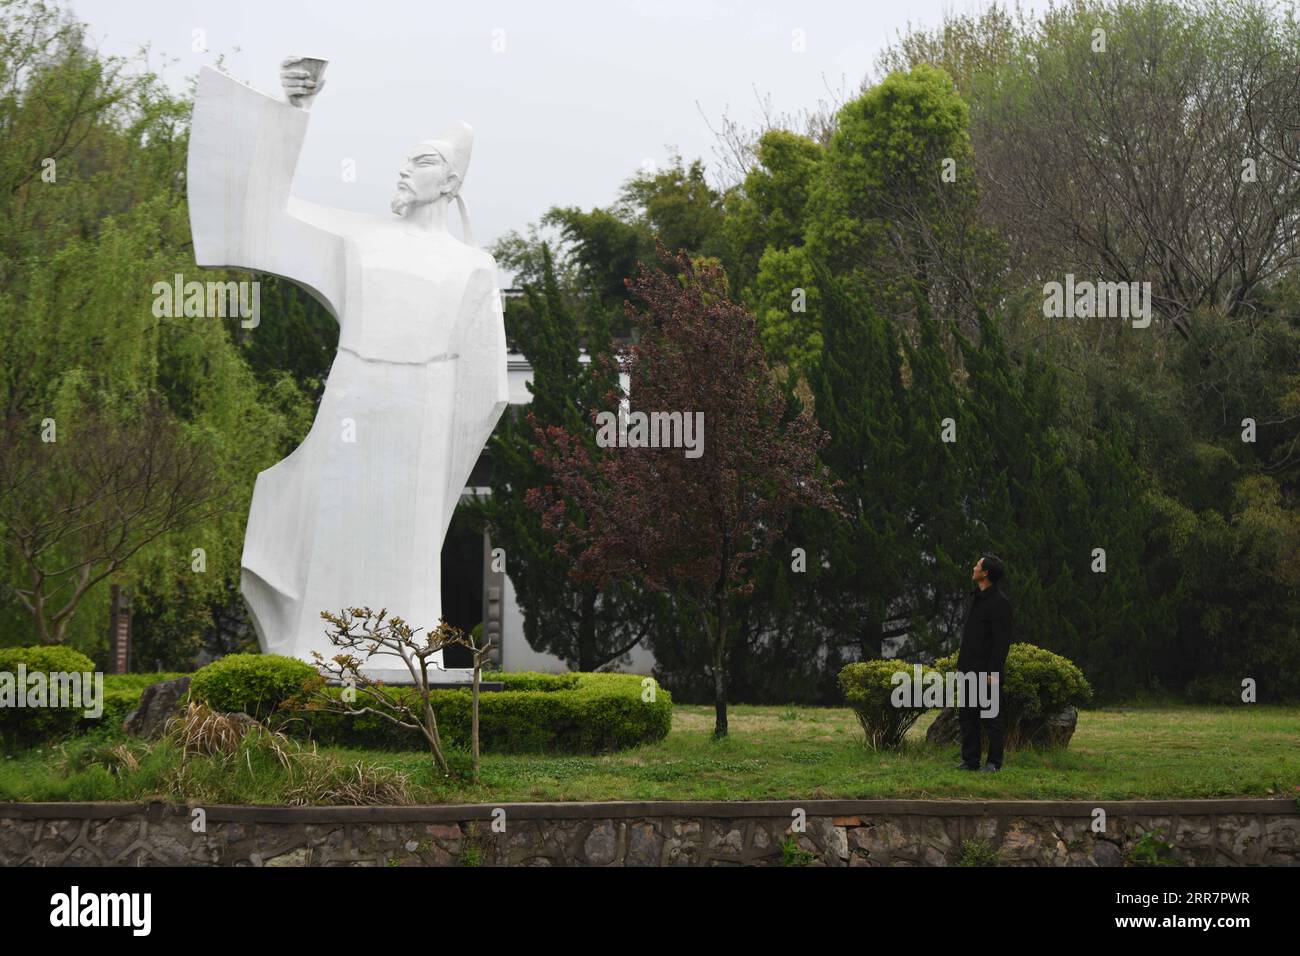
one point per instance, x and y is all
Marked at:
(325, 781)
(202, 731)
(235, 751)
(124, 758)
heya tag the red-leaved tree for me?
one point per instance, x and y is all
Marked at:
(688, 525)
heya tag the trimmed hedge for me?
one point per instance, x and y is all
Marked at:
(24, 726)
(1035, 684)
(256, 684)
(869, 688)
(45, 658)
(536, 713)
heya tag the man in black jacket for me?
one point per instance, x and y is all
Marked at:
(985, 641)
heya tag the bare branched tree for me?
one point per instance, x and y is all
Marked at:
(1133, 141)
(79, 499)
(374, 634)
(735, 151)
(1145, 162)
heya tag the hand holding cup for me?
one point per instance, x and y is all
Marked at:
(302, 78)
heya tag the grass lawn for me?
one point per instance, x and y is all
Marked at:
(772, 753)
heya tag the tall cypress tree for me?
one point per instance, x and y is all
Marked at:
(857, 395)
(1050, 515)
(882, 572)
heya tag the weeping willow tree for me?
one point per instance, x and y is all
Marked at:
(96, 389)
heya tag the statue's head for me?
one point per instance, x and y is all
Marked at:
(434, 169)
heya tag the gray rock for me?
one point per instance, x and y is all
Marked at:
(158, 703)
(727, 839)
(242, 723)
(944, 730)
(601, 845)
(295, 857)
(644, 845)
(1050, 732)
(1106, 854)
(683, 842)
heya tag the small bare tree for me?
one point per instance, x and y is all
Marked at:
(374, 634)
(480, 652)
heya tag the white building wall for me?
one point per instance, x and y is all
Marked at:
(516, 655)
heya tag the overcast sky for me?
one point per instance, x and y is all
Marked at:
(567, 99)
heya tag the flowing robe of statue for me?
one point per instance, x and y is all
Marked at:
(356, 515)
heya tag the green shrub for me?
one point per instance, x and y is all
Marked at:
(256, 684)
(978, 853)
(868, 688)
(793, 855)
(47, 659)
(118, 702)
(534, 680)
(1035, 684)
(26, 726)
(472, 852)
(1151, 850)
(137, 682)
(536, 713)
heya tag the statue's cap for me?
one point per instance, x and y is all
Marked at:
(455, 146)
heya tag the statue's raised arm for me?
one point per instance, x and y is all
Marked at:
(244, 147)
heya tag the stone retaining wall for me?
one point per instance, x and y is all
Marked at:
(834, 833)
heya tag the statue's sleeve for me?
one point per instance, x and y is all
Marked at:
(482, 380)
(244, 146)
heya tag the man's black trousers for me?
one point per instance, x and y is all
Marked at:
(970, 719)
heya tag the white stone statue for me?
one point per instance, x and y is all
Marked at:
(356, 515)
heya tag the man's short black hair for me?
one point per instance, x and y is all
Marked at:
(992, 565)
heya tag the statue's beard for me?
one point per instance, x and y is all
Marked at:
(404, 200)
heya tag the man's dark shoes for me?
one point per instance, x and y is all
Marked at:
(989, 768)
(965, 766)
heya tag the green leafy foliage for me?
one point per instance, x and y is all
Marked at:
(869, 688)
(767, 213)
(794, 855)
(894, 202)
(586, 626)
(1151, 849)
(535, 713)
(92, 216)
(978, 853)
(24, 726)
(47, 659)
(1035, 683)
(255, 684)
